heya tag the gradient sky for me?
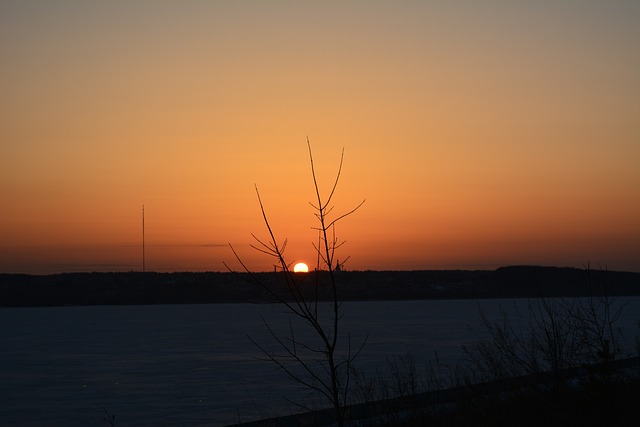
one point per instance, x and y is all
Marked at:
(481, 133)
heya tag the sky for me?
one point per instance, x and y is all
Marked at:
(481, 134)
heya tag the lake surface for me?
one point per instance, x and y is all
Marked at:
(194, 365)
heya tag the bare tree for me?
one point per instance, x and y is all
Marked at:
(321, 366)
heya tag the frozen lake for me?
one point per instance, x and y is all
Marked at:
(194, 365)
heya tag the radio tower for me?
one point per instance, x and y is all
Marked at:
(143, 239)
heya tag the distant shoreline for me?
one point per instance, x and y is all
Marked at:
(133, 288)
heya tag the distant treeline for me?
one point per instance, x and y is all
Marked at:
(187, 288)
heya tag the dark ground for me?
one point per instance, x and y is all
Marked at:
(594, 405)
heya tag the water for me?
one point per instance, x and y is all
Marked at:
(194, 365)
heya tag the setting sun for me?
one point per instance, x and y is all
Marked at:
(301, 267)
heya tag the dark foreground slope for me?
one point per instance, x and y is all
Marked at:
(185, 288)
(592, 395)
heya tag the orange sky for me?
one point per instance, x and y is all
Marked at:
(481, 133)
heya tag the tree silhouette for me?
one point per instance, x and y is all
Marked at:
(321, 366)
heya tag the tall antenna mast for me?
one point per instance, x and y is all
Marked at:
(143, 239)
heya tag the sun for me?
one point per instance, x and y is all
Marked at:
(301, 267)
